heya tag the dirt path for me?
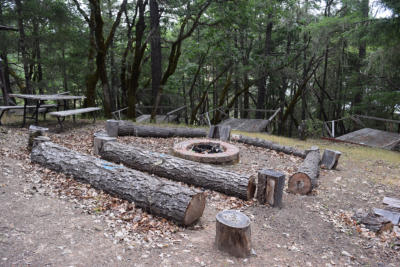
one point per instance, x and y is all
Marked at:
(49, 219)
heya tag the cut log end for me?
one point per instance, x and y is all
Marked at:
(195, 209)
(251, 188)
(300, 183)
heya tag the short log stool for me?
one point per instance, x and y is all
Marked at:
(330, 159)
(112, 128)
(233, 234)
(100, 141)
(220, 132)
(270, 187)
(35, 131)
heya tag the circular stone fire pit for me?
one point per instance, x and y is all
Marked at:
(207, 151)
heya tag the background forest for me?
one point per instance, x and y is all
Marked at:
(315, 60)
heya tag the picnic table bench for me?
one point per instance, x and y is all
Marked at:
(72, 112)
(43, 109)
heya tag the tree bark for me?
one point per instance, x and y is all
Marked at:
(262, 90)
(155, 45)
(127, 128)
(189, 172)
(305, 179)
(159, 197)
(269, 145)
(135, 68)
(22, 40)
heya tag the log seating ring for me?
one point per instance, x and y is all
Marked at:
(221, 152)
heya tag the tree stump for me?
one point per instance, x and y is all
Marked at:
(100, 141)
(233, 233)
(35, 131)
(220, 132)
(112, 128)
(330, 159)
(270, 187)
(305, 179)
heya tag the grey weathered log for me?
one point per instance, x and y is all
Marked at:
(112, 128)
(35, 131)
(330, 159)
(233, 233)
(373, 221)
(392, 202)
(130, 129)
(99, 141)
(270, 187)
(393, 217)
(220, 132)
(189, 172)
(270, 145)
(163, 198)
(306, 177)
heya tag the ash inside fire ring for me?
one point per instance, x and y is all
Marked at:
(207, 148)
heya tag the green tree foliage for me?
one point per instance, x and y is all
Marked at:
(315, 60)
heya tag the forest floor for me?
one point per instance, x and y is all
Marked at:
(48, 219)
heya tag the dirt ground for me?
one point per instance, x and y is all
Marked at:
(48, 219)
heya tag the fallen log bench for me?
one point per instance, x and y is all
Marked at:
(305, 179)
(186, 171)
(163, 198)
(130, 129)
(269, 145)
(43, 109)
(72, 112)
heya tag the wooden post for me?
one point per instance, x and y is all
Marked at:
(233, 233)
(330, 159)
(270, 187)
(35, 131)
(112, 128)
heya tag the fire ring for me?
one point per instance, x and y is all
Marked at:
(219, 153)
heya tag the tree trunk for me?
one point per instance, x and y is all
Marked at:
(155, 51)
(189, 172)
(159, 197)
(261, 84)
(362, 52)
(135, 68)
(127, 128)
(269, 145)
(64, 71)
(22, 41)
(305, 179)
(38, 55)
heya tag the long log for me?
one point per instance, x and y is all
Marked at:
(164, 198)
(189, 172)
(127, 128)
(306, 177)
(270, 145)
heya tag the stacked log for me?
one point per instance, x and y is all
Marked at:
(270, 145)
(189, 172)
(306, 177)
(130, 129)
(163, 198)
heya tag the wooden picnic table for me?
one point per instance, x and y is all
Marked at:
(39, 99)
